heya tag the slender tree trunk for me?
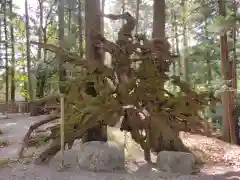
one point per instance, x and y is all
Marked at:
(69, 19)
(6, 54)
(12, 56)
(159, 22)
(30, 89)
(185, 42)
(62, 72)
(229, 124)
(177, 44)
(93, 25)
(102, 24)
(123, 9)
(173, 41)
(39, 53)
(234, 80)
(159, 19)
(40, 72)
(137, 16)
(80, 26)
(234, 86)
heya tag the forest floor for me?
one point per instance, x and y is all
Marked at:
(221, 160)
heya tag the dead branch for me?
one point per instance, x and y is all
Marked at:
(126, 30)
(65, 54)
(26, 138)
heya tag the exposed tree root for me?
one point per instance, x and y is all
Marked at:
(168, 114)
(49, 153)
(37, 106)
(48, 119)
(46, 156)
(46, 99)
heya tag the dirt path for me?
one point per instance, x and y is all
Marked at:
(15, 128)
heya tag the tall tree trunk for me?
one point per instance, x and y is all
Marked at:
(234, 81)
(12, 55)
(69, 18)
(159, 19)
(177, 44)
(185, 42)
(93, 25)
(39, 52)
(80, 28)
(229, 124)
(40, 72)
(62, 71)
(102, 25)
(209, 69)
(170, 140)
(157, 33)
(173, 41)
(30, 89)
(6, 54)
(137, 16)
(123, 9)
(159, 22)
(234, 86)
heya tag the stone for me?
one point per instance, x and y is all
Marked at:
(69, 158)
(175, 162)
(101, 156)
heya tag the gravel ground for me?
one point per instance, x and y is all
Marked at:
(32, 172)
(15, 128)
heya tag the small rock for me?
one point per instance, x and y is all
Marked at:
(176, 162)
(101, 156)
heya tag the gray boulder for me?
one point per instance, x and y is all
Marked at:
(176, 162)
(101, 156)
(70, 159)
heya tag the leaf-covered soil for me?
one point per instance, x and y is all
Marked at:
(222, 160)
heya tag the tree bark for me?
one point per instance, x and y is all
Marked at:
(234, 81)
(30, 89)
(177, 44)
(93, 24)
(137, 16)
(229, 123)
(12, 56)
(185, 42)
(159, 23)
(40, 72)
(80, 28)
(61, 24)
(6, 55)
(159, 19)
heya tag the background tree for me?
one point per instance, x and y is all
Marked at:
(30, 87)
